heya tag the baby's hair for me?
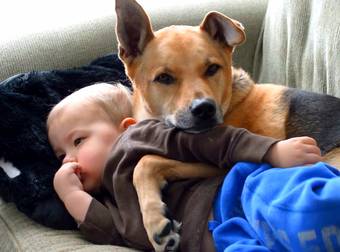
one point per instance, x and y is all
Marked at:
(113, 99)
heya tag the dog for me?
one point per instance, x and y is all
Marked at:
(190, 68)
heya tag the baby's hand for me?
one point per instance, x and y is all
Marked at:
(70, 190)
(66, 180)
(293, 152)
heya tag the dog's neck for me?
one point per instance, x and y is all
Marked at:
(140, 108)
(241, 87)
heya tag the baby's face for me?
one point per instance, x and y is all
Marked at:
(84, 135)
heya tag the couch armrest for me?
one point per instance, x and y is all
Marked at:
(76, 43)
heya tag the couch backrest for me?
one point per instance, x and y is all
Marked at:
(69, 45)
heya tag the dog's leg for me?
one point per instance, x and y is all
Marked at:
(150, 176)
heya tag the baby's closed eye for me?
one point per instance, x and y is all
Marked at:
(78, 141)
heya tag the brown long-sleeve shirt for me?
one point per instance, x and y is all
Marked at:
(117, 219)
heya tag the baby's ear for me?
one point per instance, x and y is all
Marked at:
(126, 122)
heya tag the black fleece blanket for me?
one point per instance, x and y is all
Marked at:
(25, 100)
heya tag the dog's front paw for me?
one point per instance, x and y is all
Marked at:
(162, 230)
(168, 238)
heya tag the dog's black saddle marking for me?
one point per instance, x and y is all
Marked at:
(314, 115)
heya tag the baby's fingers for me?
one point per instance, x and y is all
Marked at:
(70, 165)
(307, 140)
(313, 149)
(312, 158)
(67, 170)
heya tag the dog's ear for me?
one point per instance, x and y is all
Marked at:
(133, 28)
(224, 29)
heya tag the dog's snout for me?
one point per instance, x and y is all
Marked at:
(203, 109)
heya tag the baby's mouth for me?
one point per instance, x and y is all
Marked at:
(81, 178)
(79, 174)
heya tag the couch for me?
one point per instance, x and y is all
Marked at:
(294, 43)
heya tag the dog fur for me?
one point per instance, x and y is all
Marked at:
(184, 75)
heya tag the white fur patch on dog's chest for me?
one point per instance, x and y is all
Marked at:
(9, 168)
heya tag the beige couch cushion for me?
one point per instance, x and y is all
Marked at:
(19, 233)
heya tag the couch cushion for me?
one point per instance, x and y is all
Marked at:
(19, 233)
(301, 45)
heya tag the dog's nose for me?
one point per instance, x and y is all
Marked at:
(203, 109)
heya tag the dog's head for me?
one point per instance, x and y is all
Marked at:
(181, 74)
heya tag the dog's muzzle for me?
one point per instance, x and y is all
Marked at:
(203, 109)
(201, 115)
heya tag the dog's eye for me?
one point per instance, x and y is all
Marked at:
(212, 70)
(164, 78)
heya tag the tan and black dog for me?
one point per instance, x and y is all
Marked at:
(184, 75)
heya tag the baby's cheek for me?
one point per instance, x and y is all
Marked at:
(95, 157)
(87, 158)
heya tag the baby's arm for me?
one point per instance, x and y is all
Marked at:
(292, 152)
(70, 191)
(94, 219)
(222, 146)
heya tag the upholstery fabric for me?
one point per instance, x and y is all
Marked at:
(77, 44)
(299, 45)
(18, 233)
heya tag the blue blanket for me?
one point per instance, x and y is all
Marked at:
(290, 209)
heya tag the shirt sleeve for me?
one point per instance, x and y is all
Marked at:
(220, 146)
(98, 226)
(224, 146)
